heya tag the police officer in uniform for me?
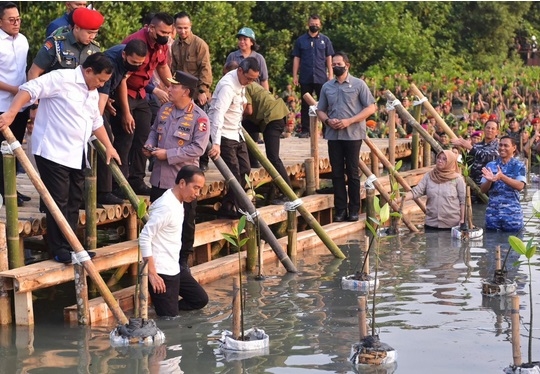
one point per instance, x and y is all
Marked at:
(69, 50)
(178, 137)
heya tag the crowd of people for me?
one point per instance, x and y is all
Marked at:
(151, 97)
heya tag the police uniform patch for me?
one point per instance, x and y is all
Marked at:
(48, 45)
(180, 142)
(203, 125)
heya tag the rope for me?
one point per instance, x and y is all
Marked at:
(7, 149)
(369, 182)
(291, 206)
(420, 102)
(79, 257)
(313, 110)
(250, 217)
(392, 105)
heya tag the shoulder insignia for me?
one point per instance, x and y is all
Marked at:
(203, 124)
(95, 43)
(59, 37)
(48, 45)
(189, 109)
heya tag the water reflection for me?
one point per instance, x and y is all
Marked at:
(429, 308)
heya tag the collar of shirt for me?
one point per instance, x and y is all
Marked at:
(4, 35)
(188, 40)
(79, 76)
(347, 79)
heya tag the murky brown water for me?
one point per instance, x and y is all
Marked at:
(429, 308)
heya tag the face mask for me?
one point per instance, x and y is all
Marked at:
(338, 70)
(162, 39)
(314, 28)
(130, 67)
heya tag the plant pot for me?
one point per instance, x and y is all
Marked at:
(255, 339)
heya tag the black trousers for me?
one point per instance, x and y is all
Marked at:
(304, 111)
(104, 174)
(129, 146)
(235, 155)
(272, 139)
(344, 156)
(66, 186)
(18, 128)
(188, 227)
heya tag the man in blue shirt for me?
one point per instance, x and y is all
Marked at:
(312, 58)
(126, 58)
(64, 20)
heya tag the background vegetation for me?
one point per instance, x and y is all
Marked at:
(429, 40)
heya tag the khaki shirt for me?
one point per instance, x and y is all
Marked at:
(193, 56)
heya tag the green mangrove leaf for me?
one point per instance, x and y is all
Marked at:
(385, 213)
(517, 244)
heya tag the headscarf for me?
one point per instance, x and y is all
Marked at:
(448, 172)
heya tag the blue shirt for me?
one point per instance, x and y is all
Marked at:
(57, 23)
(119, 71)
(238, 57)
(313, 52)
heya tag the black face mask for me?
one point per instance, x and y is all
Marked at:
(130, 67)
(162, 39)
(314, 28)
(338, 70)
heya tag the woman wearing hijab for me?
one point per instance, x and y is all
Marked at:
(445, 190)
(503, 179)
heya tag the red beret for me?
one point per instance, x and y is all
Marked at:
(87, 19)
(477, 133)
(535, 121)
(493, 117)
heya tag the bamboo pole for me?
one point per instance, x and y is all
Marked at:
(406, 116)
(236, 309)
(498, 257)
(233, 184)
(392, 136)
(314, 137)
(365, 253)
(64, 226)
(252, 248)
(516, 343)
(5, 300)
(118, 274)
(362, 317)
(392, 171)
(415, 141)
(310, 176)
(370, 200)
(469, 208)
(287, 191)
(374, 164)
(143, 293)
(15, 252)
(386, 196)
(292, 231)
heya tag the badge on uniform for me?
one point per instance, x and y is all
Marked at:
(180, 142)
(203, 126)
(48, 45)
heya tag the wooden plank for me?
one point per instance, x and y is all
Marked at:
(24, 311)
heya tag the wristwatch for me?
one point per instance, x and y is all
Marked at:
(33, 106)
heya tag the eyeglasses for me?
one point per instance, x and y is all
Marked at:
(12, 20)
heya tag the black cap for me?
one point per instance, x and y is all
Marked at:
(185, 79)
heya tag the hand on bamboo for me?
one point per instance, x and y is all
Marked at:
(157, 283)
(5, 120)
(215, 151)
(111, 153)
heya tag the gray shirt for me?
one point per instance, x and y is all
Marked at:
(345, 100)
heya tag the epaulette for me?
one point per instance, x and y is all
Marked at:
(58, 38)
(95, 43)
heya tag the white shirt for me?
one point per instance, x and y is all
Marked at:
(226, 108)
(161, 236)
(67, 115)
(13, 53)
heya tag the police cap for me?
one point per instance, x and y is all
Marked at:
(183, 78)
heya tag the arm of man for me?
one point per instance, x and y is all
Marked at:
(220, 103)
(145, 244)
(9, 88)
(6, 119)
(103, 137)
(329, 67)
(128, 122)
(295, 67)
(205, 74)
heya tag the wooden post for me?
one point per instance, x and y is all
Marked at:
(314, 137)
(311, 184)
(143, 293)
(66, 229)
(468, 208)
(392, 136)
(498, 257)
(374, 164)
(362, 317)
(415, 143)
(365, 266)
(292, 228)
(516, 343)
(252, 247)
(370, 209)
(406, 116)
(5, 300)
(386, 196)
(236, 309)
(16, 253)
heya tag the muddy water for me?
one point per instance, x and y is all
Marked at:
(429, 308)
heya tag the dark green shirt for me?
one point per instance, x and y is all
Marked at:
(266, 108)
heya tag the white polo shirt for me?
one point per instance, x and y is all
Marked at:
(67, 115)
(13, 53)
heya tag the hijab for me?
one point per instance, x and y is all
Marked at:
(448, 172)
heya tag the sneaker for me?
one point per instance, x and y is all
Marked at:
(142, 189)
(303, 135)
(23, 197)
(63, 256)
(229, 213)
(109, 199)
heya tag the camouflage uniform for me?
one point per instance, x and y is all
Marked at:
(480, 155)
(504, 210)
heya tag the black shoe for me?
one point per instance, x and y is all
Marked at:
(141, 189)
(203, 167)
(229, 213)
(279, 200)
(20, 202)
(63, 256)
(119, 193)
(325, 190)
(303, 135)
(340, 216)
(109, 199)
(255, 164)
(23, 197)
(91, 254)
(353, 217)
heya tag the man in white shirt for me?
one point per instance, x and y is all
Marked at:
(67, 116)
(226, 110)
(161, 238)
(13, 53)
